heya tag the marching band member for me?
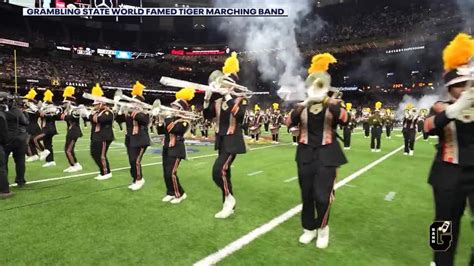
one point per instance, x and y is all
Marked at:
(365, 121)
(229, 113)
(255, 123)
(275, 123)
(102, 134)
(174, 149)
(266, 119)
(246, 123)
(318, 154)
(452, 172)
(48, 116)
(409, 129)
(421, 122)
(389, 120)
(376, 123)
(33, 129)
(204, 127)
(73, 121)
(137, 138)
(348, 128)
(194, 124)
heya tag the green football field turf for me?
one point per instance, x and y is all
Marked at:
(81, 221)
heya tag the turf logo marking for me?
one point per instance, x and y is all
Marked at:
(441, 235)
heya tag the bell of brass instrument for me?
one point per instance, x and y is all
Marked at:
(318, 84)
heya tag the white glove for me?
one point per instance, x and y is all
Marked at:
(85, 113)
(207, 95)
(464, 102)
(155, 112)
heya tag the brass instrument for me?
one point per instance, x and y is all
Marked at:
(49, 109)
(318, 84)
(161, 110)
(217, 80)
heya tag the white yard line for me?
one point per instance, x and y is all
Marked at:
(291, 179)
(265, 228)
(128, 167)
(255, 173)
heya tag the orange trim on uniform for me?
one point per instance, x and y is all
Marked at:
(174, 178)
(170, 126)
(102, 158)
(343, 115)
(232, 125)
(138, 164)
(429, 124)
(224, 176)
(236, 107)
(172, 140)
(135, 128)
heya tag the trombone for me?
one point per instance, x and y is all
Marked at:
(217, 80)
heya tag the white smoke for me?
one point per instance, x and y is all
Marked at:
(424, 102)
(258, 35)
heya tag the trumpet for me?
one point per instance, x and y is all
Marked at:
(160, 110)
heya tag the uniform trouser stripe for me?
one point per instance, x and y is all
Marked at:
(138, 164)
(174, 178)
(225, 167)
(103, 159)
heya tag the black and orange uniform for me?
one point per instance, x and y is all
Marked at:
(102, 135)
(376, 127)
(388, 126)
(204, 127)
(137, 140)
(246, 123)
(229, 114)
(255, 125)
(276, 119)
(33, 129)
(266, 120)
(409, 133)
(420, 124)
(318, 156)
(48, 131)
(366, 125)
(73, 133)
(174, 151)
(452, 172)
(347, 130)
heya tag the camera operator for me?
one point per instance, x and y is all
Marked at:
(17, 140)
(4, 186)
